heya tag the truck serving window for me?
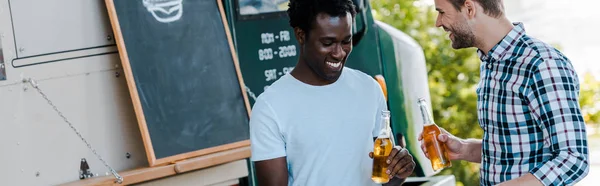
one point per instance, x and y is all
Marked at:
(255, 7)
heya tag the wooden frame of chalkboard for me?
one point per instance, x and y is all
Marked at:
(138, 102)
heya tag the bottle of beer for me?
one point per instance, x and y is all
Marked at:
(382, 149)
(438, 154)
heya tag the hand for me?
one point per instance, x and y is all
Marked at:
(400, 163)
(454, 145)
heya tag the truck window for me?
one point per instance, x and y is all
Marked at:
(254, 7)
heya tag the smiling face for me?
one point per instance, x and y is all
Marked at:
(455, 23)
(327, 45)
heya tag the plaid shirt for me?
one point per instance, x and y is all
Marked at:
(527, 101)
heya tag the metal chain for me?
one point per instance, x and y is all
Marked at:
(117, 176)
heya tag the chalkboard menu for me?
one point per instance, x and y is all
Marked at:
(267, 49)
(183, 76)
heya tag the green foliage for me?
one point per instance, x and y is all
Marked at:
(588, 97)
(453, 74)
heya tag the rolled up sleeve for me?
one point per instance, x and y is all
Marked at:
(553, 98)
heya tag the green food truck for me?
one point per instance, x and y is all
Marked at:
(158, 92)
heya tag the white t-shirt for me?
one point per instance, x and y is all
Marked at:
(325, 132)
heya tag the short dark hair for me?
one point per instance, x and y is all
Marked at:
(302, 13)
(490, 7)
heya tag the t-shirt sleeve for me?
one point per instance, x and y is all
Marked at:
(381, 106)
(266, 138)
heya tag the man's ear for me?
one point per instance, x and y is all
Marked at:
(470, 8)
(300, 35)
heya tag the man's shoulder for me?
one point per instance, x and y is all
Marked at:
(276, 87)
(278, 91)
(536, 54)
(540, 50)
(362, 82)
(357, 75)
(542, 60)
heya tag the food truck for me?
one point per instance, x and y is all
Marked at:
(159, 92)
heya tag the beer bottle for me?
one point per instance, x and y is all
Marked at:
(437, 151)
(382, 149)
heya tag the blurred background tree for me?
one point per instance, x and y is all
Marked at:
(589, 99)
(453, 74)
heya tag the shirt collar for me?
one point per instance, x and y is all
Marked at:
(505, 44)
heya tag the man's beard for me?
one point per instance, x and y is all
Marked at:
(463, 37)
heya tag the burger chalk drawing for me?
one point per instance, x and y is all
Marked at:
(164, 11)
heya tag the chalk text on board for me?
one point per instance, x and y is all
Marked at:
(265, 54)
(284, 35)
(283, 52)
(287, 51)
(268, 38)
(273, 74)
(287, 70)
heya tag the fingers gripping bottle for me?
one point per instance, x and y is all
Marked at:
(437, 151)
(382, 149)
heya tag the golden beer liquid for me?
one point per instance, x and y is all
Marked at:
(437, 150)
(383, 148)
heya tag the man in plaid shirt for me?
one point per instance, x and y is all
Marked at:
(527, 101)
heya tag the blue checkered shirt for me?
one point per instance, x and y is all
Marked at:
(527, 101)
